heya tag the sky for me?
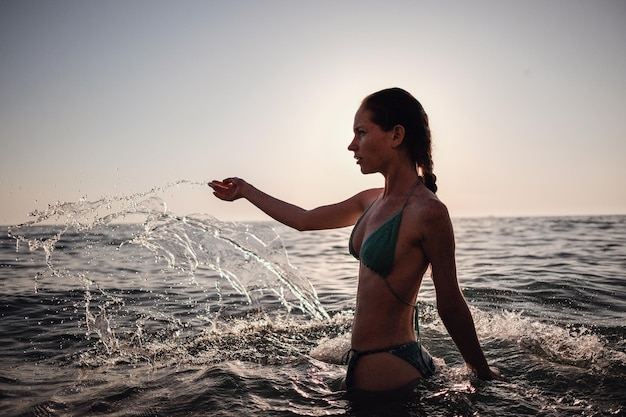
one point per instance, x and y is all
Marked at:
(526, 100)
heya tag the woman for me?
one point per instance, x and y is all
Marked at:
(400, 230)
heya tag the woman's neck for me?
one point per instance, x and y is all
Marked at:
(399, 182)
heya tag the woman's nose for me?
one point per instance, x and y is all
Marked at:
(352, 145)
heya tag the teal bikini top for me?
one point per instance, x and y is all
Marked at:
(379, 249)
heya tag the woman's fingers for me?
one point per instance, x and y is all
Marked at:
(224, 190)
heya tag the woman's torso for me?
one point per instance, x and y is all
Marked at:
(383, 318)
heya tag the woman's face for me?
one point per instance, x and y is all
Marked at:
(370, 144)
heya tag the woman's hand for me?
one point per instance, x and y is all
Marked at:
(228, 190)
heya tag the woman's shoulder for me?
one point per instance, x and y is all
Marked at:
(372, 192)
(367, 197)
(428, 206)
(427, 212)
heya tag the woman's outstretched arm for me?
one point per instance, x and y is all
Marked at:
(330, 216)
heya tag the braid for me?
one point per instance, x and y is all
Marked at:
(426, 162)
(430, 179)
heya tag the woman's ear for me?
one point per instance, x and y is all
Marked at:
(398, 135)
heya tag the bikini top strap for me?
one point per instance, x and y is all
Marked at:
(419, 179)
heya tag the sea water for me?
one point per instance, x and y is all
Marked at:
(118, 307)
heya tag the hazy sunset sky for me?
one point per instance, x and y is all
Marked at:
(526, 99)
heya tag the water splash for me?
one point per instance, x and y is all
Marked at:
(575, 346)
(251, 258)
(144, 271)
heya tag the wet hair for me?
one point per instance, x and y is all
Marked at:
(395, 106)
